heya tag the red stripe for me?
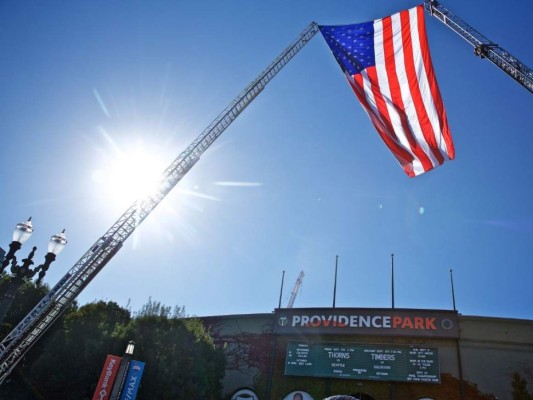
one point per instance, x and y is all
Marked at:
(396, 94)
(404, 158)
(414, 87)
(434, 87)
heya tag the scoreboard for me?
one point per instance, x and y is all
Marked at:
(365, 361)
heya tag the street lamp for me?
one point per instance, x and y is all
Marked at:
(21, 234)
(118, 387)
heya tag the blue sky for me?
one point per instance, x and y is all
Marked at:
(85, 82)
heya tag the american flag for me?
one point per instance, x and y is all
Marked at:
(388, 66)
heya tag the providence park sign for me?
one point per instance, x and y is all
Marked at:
(366, 321)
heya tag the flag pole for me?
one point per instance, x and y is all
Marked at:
(335, 284)
(453, 291)
(281, 290)
(392, 278)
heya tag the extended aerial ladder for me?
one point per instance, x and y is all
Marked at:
(43, 315)
(17, 343)
(483, 47)
(294, 292)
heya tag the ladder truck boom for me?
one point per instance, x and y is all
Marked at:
(16, 344)
(483, 47)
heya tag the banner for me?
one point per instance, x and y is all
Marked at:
(107, 378)
(133, 380)
(366, 321)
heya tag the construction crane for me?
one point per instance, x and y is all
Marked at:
(483, 47)
(17, 343)
(294, 292)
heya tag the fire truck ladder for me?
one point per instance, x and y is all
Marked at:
(17, 343)
(294, 292)
(483, 47)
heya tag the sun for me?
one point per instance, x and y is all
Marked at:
(134, 175)
(129, 173)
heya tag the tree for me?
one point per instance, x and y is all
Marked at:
(519, 386)
(18, 385)
(71, 355)
(28, 295)
(181, 359)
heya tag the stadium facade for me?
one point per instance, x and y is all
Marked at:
(372, 354)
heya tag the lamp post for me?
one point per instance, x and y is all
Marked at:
(122, 372)
(21, 272)
(118, 386)
(21, 233)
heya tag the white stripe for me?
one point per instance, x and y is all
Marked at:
(410, 109)
(424, 85)
(383, 80)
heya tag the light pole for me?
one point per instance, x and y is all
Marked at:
(21, 234)
(122, 372)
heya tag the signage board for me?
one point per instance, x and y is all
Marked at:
(133, 380)
(366, 321)
(107, 378)
(363, 361)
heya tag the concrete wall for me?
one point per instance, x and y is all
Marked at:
(491, 350)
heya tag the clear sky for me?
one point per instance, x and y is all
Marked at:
(299, 178)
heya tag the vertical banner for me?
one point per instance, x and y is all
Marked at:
(107, 378)
(133, 380)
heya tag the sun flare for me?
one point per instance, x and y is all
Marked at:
(129, 174)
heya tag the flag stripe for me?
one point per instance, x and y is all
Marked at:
(449, 151)
(433, 136)
(421, 161)
(409, 84)
(406, 105)
(416, 75)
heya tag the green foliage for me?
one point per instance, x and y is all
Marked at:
(79, 349)
(27, 297)
(156, 309)
(519, 386)
(181, 359)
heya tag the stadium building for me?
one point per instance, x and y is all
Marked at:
(372, 354)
